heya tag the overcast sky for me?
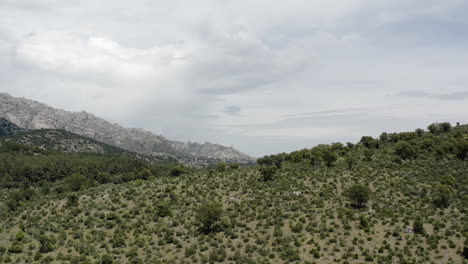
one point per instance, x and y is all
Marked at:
(262, 76)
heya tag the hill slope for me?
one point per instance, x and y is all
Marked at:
(291, 208)
(7, 128)
(67, 142)
(30, 114)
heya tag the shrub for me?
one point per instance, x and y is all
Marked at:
(16, 249)
(418, 227)
(72, 200)
(45, 244)
(163, 209)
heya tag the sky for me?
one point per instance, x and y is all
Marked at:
(262, 76)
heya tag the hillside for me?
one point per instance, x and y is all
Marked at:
(401, 198)
(7, 128)
(66, 142)
(28, 114)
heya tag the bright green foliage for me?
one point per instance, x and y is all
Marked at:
(358, 194)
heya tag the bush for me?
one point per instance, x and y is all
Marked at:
(16, 249)
(45, 244)
(72, 200)
(106, 259)
(418, 227)
(163, 210)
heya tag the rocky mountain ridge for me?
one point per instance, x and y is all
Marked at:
(29, 114)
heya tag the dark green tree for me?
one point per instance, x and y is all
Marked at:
(405, 150)
(209, 216)
(75, 182)
(329, 157)
(434, 128)
(441, 196)
(358, 194)
(72, 200)
(350, 160)
(267, 172)
(461, 149)
(445, 127)
(370, 142)
(177, 171)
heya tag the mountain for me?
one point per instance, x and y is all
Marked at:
(31, 115)
(7, 128)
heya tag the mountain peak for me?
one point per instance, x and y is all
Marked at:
(29, 114)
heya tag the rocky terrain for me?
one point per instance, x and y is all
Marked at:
(29, 114)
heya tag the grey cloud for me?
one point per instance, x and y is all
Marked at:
(188, 69)
(461, 95)
(232, 110)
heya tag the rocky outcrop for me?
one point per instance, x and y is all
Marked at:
(29, 114)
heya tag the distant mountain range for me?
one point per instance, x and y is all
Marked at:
(23, 114)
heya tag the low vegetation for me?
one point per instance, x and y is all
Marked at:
(399, 198)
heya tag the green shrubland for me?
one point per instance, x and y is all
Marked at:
(398, 198)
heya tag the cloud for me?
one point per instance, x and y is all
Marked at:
(262, 76)
(460, 95)
(232, 110)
